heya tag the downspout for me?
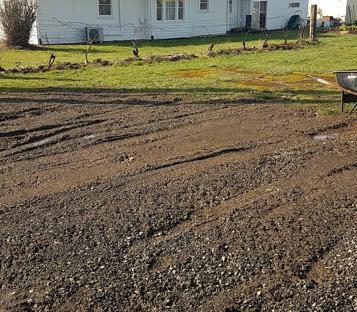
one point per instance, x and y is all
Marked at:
(227, 16)
(238, 14)
(150, 18)
(119, 11)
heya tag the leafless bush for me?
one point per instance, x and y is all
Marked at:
(266, 39)
(245, 36)
(16, 20)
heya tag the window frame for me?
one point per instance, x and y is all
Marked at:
(183, 8)
(204, 10)
(111, 9)
(171, 9)
(164, 12)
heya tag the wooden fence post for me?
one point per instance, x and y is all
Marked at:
(313, 22)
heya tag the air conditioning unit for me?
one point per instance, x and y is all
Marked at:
(94, 33)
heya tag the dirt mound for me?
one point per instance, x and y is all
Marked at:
(269, 47)
(41, 68)
(154, 58)
(160, 58)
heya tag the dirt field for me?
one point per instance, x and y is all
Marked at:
(120, 204)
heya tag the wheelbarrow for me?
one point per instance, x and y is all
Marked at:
(347, 81)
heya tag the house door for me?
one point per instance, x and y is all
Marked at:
(259, 14)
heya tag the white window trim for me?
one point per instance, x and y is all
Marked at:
(203, 11)
(105, 16)
(176, 20)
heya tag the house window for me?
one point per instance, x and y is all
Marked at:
(294, 5)
(170, 10)
(181, 9)
(230, 4)
(204, 5)
(160, 8)
(105, 7)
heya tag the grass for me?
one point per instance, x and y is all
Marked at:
(279, 75)
(122, 50)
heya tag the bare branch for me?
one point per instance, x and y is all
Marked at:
(136, 50)
(88, 49)
(51, 60)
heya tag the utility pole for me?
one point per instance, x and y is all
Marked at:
(313, 22)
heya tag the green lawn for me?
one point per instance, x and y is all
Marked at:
(279, 75)
(122, 50)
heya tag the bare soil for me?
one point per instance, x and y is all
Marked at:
(111, 203)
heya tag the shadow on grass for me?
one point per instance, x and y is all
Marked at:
(30, 78)
(196, 95)
(69, 48)
(166, 43)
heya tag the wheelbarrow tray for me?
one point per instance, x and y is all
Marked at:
(347, 81)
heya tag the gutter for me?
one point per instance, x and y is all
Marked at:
(150, 18)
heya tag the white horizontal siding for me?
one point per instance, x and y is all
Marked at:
(279, 12)
(55, 33)
(52, 32)
(195, 23)
(65, 21)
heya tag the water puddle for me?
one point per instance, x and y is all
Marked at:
(325, 137)
(89, 137)
(42, 142)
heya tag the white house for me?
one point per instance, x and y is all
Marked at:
(68, 21)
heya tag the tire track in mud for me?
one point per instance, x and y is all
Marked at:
(250, 219)
(237, 180)
(315, 275)
(165, 121)
(348, 167)
(336, 126)
(194, 220)
(38, 141)
(23, 132)
(168, 122)
(22, 113)
(259, 255)
(99, 100)
(213, 154)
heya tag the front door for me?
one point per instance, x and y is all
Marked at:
(259, 15)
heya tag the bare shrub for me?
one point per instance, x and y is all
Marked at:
(16, 20)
